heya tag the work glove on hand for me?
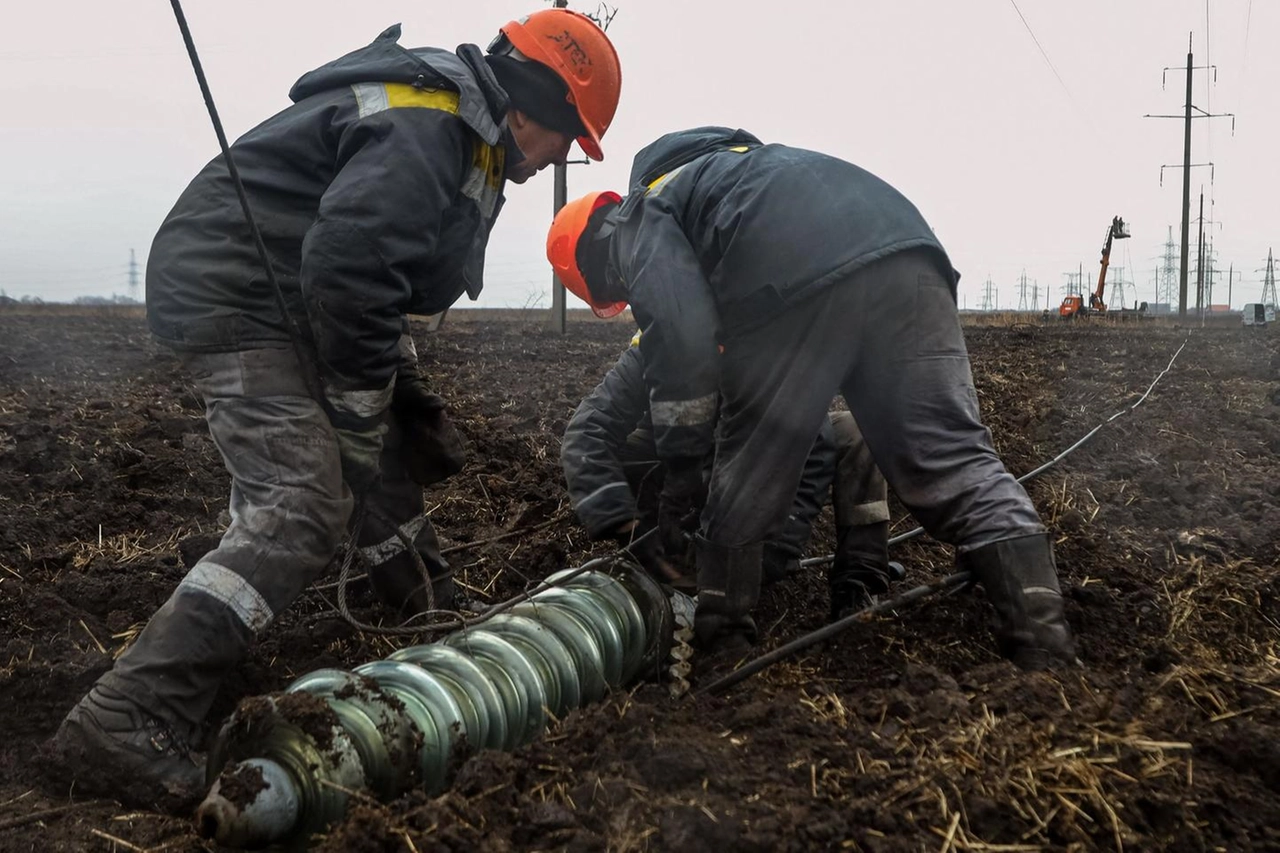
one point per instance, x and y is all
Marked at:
(361, 452)
(432, 449)
(646, 548)
(680, 504)
(778, 562)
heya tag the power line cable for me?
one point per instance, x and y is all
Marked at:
(90, 281)
(1248, 17)
(1043, 53)
(74, 271)
(1208, 95)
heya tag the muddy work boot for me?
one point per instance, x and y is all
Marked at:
(1021, 581)
(399, 585)
(862, 569)
(113, 747)
(728, 587)
(399, 576)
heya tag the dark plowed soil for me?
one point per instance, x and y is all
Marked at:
(905, 734)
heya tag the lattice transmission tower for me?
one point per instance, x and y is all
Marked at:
(1023, 303)
(1269, 282)
(990, 296)
(1167, 277)
(1119, 287)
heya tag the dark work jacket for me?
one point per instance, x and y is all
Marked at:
(591, 455)
(375, 194)
(719, 234)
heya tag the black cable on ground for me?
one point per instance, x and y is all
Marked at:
(911, 534)
(953, 581)
(827, 631)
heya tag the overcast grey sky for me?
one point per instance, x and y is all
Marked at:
(1017, 162)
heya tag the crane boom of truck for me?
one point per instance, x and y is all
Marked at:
(1074, 304)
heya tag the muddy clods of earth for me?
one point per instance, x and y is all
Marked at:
(908, 733)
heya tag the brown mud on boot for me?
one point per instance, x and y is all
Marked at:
(112, 747)
(723, 656)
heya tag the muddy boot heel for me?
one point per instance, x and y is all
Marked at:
(728, 588)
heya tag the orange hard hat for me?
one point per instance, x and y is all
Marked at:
(578, 51)
(562, 248)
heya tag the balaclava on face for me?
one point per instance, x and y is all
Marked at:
(537, 92)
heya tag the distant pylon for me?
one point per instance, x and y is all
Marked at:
(1269, 282)
(1118, 285)
(989, 297)
(1022, 294)
(133, 277)
(1167, 278)
(1072, 287)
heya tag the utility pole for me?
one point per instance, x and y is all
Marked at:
(133, 277)
(560, 196)
(1022, 294)
(556, 321)
(1186, 166)
(1231, 270)
(1200, 264)
(1186, 191)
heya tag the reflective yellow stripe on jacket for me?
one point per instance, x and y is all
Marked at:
(488, 162)
(376, 97)
(663, 178)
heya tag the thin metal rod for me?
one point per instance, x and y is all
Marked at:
(827, 631)
(295, 335)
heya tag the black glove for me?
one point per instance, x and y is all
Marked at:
(646, 548)
(679, 506)
(361, 452)
(432, 448)
(778, 562)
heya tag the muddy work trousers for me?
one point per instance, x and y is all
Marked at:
(888, 338)
(289, 512)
